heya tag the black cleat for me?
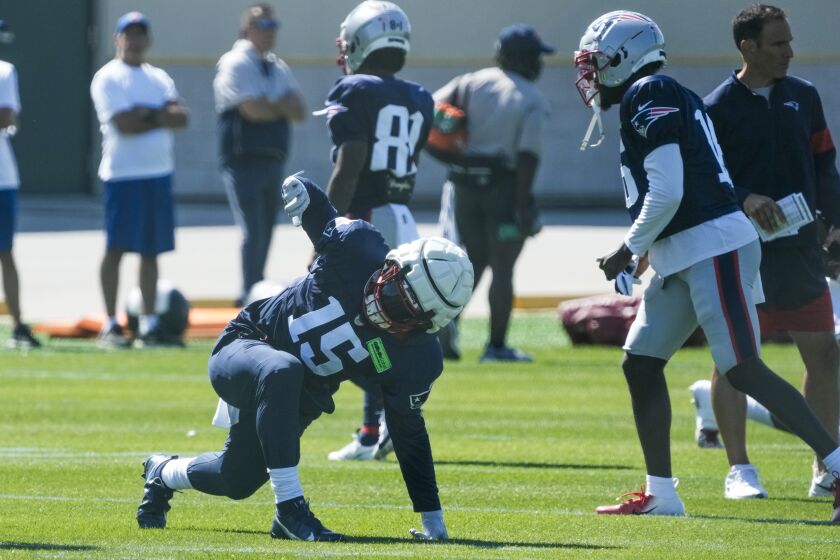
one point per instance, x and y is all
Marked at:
(157, 338)
(708, 439)
(22, 338)
(152, 511)
(296, 522)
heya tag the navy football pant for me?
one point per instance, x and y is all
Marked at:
(265, 384)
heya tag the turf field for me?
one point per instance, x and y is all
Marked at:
(524, 454)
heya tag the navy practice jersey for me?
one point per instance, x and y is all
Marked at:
(778, 146)
(393, 117)
(317, 320)
(655, 111)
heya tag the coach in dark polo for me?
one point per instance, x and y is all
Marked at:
(256, 97)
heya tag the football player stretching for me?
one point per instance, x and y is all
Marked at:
(362, 311)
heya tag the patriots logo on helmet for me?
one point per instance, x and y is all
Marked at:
(646, 116)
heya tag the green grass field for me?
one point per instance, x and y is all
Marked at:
(524, 454)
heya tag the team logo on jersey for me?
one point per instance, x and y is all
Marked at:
(646, 116)
(792, 104)
(416, 401)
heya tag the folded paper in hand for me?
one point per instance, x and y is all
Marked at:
(797, 214)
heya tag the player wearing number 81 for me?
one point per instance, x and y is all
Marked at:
(702, 247)
(362, 312)
(378, 124)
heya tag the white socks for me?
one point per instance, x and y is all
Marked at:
(174, 474)
(148, 323)
(660, 487)
(832, 462)
(285, 483)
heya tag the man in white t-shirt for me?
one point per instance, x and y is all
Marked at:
(9, 182)
(257, 98)
(138, 107)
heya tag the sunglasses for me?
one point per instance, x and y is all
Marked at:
(267, 23)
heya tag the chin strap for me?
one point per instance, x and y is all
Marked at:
(596, 119)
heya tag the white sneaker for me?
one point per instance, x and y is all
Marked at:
(742, 483)
(821, 485)
(706, 428)
(353, 451)
(644, 504)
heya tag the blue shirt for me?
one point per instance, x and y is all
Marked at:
(655, 111)
(318, 320)
(393, 117)
(778, 146)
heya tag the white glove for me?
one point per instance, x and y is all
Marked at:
(295, 198)
(434, 529)
(626, 279)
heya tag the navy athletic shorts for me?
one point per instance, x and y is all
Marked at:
(140, 215)
(8, 213)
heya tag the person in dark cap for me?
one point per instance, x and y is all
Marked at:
(492, 179)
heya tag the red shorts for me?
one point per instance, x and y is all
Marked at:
(815, 316)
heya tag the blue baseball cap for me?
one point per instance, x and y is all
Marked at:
(521, 38)
(132, 18)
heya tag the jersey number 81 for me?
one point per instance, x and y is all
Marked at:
(397, 134)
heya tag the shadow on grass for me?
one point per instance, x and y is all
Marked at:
(766, 520)
(476, 543)
(525, 465)
(815, 500)
(7, 545)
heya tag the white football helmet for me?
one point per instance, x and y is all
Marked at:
(423, 285)
(614, 46)
(370, 26)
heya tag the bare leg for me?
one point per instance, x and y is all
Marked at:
(148, 283)
(10, 285)
(109, 275)
(820, 355)
(730, 407)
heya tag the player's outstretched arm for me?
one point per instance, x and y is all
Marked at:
(414, 453)
(307, 205)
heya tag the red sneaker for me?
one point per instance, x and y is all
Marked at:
(642, 504)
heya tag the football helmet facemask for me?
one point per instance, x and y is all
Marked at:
(423, 286)
(614, 47)
(370, 26)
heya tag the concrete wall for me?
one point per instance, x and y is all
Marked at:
(450, 37)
